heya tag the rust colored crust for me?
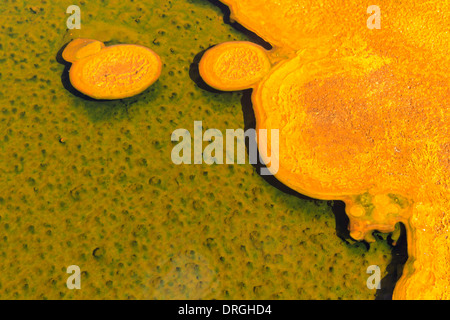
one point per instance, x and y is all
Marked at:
(363, 117)
(116, 72)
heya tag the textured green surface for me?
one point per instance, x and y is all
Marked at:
(109, 198)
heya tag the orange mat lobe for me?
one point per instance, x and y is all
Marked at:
(234, 66)
(114, 72)
(362, 114)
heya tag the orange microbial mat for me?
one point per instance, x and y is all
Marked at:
(114, 72)
(362, 115)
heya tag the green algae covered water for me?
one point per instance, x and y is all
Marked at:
(91, 183)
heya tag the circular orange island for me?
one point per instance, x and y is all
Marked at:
(113, 72)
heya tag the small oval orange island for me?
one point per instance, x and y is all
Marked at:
(113, 72)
